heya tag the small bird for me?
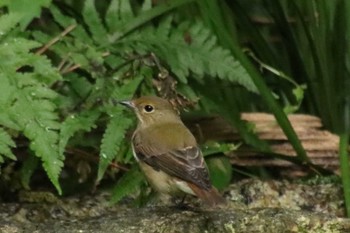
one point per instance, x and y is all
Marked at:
(167, 151)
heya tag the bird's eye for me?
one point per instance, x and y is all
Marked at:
(148, 108)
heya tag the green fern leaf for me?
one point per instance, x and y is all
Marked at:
(27, 11)
(112, 16)
(84, 121)
(31, 108)
(216, 60)
(6, 96)
(118, 14)
(164, 28)
(6, 143)
(116, 128)
(44, 71)
(82, 50)
(8, 22)
(188, 49)
(28, 168)
(114, 61)
(202, 55)
(92, 19)
(147, 5)
(128, 89)
(39, 124)
(65, 21)
(112, 139)
(18, 49)
(220, 170)
(128, 184)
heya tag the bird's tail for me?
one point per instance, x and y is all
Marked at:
(211, 197)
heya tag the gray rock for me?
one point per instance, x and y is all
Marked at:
(171, 220)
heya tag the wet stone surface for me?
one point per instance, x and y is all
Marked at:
(253, 206)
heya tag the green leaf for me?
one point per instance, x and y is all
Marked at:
(94, 22)
(147, 5)
(80, 85)
(219, 166)
(128, 184)
(6, 97)
(220, 171)
(112, 139)
(27, 10)
(211, 148)
(31, 110)
(190, 48)
(84, 121)
(145, 17)
(117, 126)
(65, 21)
(128, 89)
(118, 14)
(6, 143)
(298, 93)
(8, 22)
(29, 166)
(39, 123)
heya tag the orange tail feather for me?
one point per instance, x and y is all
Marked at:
(211, 197)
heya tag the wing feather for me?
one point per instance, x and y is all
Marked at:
(185, 163)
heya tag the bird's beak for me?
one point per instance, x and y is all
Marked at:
(127, 103)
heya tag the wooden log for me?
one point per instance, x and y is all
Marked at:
(321, 145)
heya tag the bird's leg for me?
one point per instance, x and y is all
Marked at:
(180, 204)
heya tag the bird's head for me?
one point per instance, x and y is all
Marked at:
(150, 110)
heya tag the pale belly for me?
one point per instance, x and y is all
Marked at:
(164, 183)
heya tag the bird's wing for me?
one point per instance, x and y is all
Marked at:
(186, 164)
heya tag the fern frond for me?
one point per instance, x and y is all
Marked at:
(8, 22)
(38, 120)
(29, 166)
(79, 47)
(218, 61)
(112, 139)
(6, 143)
(83, 121)
(117, 126)
(6, 96)
(189, 49)
(27, 11)
(128, 184)
(147, 5)
(18, 48)
(92, 19)
(66, 21)
(119, 12)
(128, 89)
(31, 106)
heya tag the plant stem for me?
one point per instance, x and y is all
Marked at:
(345, 169)
(215, 20)
(272, 104)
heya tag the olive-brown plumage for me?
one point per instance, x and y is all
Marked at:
(168, 152)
